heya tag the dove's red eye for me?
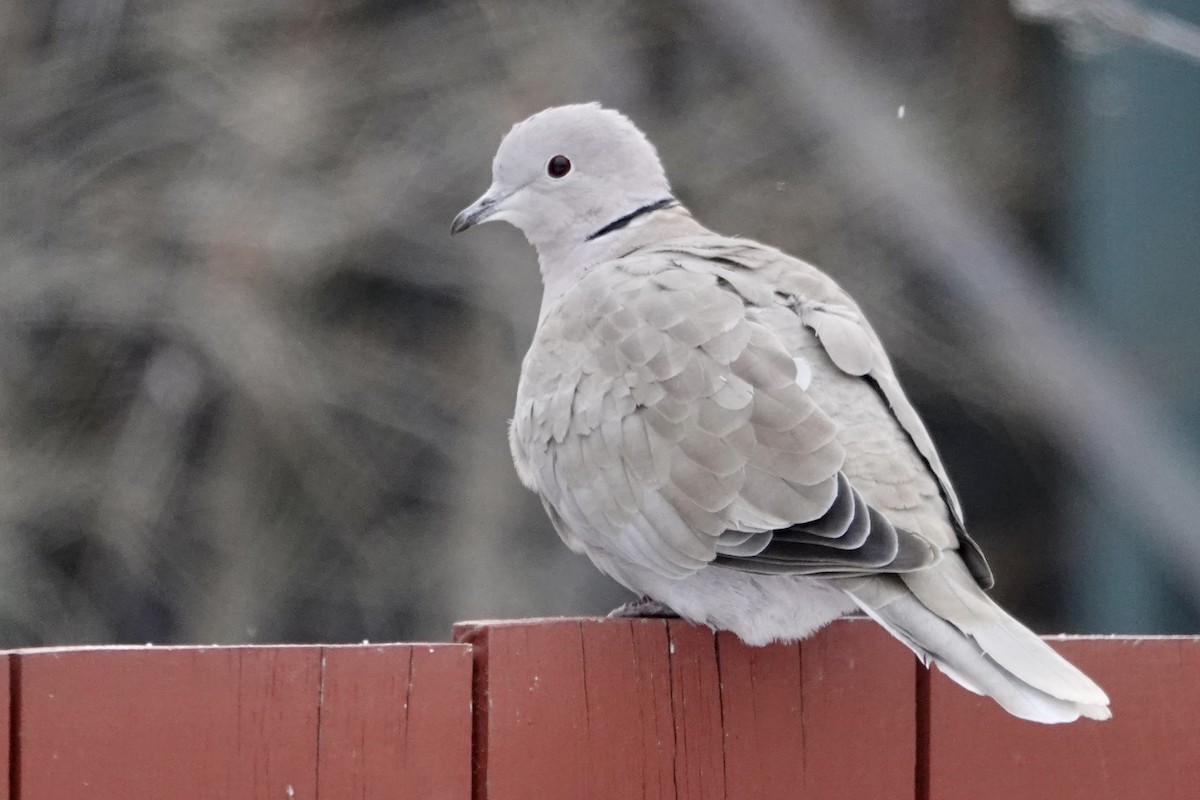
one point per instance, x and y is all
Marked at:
(558, 166)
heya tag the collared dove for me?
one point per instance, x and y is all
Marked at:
(716, 425)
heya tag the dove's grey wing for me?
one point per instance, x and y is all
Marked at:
(776, 283)
(665, 428)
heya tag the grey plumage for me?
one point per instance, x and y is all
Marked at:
(717, 426)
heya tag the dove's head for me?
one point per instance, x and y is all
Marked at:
(565, 173)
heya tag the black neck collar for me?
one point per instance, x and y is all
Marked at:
(621, 222)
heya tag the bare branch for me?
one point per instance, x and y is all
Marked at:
(1120, 17)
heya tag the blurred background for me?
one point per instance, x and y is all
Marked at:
(251, 391)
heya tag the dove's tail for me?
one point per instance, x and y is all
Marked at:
(946, 619)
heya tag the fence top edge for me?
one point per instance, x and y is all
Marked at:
(522, 621)
(475, 625)
(479, 624)
(162, 648)
(1131, 638)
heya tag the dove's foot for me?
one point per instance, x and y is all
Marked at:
(642, 607)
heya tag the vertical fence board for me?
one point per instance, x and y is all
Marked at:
(6, 712)
(440, 712)
(696, 700)
(762, 705)
(664, 709)
(165, 722)
(395, 722)
(803, 720)
(627, 671)
(860, 709)
(276, 744)
(534, 681)
(1149, 749)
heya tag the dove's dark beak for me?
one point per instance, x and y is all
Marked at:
(475, 213)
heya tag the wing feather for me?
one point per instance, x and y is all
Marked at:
(679, 436)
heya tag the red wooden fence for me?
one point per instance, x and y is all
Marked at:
(567, 708)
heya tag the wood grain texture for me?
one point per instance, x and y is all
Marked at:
(246, 722)
(395, 723)
(1149, 749)
(645, 708)
(651, 708)
(165, 722)
(853, 705)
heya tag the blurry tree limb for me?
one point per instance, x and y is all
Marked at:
(148, 454)
(1081, 18)
(1113, 428)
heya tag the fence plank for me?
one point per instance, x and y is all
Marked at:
(1149, 749)
(166, 722)
(860, 709)
(6, 712)
(396, 722)
(536, 683)
(663, 709)
(853, 705)
(246, 722)
(649, 708)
